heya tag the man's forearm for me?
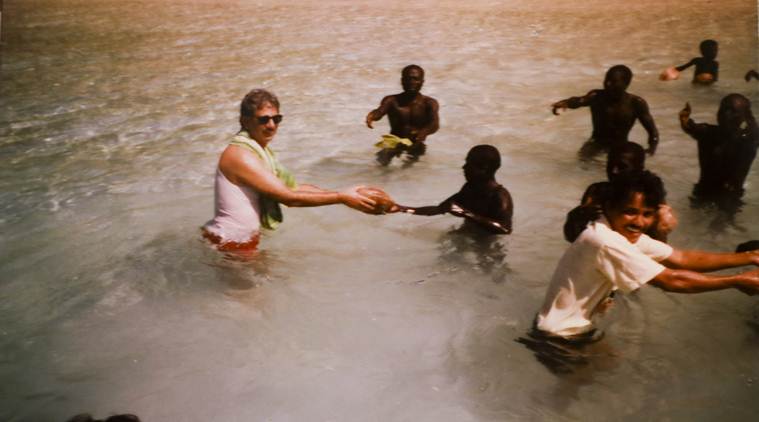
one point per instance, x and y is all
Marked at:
(707, 261)
(684, 281)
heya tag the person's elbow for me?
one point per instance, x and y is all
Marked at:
(672, 281)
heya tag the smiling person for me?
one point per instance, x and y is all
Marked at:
(412, 117)
(614, 253)
(251, 182)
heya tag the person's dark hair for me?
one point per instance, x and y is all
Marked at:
(86, 417)
(485, 156)
(624, 157)
(256, 99)
(707, 47)
(738, 102)
(411, 67)
(623, 70)
(751, 245)
(627, 183)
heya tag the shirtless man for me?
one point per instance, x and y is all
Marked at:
(614, 111)
(726, 150)
(412, 116)
(251, 183)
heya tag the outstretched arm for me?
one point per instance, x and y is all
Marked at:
(500, 226)
(379, 112)
(684, 281)
(686, 65)
(644, 115)
(573, 102)
(702, 261)
(433, 123)
(241, 167)
(688, 125)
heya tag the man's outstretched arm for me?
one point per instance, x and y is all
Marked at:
(684, 281)
(379, 112)
(573, 102)
(702, 261)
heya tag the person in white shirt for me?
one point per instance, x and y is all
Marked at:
(614, 253)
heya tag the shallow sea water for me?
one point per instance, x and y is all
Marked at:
(112, 116)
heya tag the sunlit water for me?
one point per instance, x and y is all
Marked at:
(112, 116)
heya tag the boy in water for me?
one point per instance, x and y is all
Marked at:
(726, 150)
(707, 68)
(614, 111)
(412, 117)
(627, 157)
(481, 201)
(614, 253)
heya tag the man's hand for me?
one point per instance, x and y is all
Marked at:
(652, 144)
(559, 105)
(353, 199)
(750, 285)
(370, 119)
(685, 113)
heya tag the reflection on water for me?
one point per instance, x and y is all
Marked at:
(112, 116)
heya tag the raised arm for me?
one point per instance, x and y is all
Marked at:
(574, 102)
(644, 115)
(380, 111)
(242, 168)
(688, 125)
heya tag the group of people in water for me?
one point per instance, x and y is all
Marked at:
(618, 232)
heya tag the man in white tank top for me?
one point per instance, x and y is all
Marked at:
(250, 182)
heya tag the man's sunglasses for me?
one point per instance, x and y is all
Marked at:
(262, 120)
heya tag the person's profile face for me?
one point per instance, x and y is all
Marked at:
(615, 84)
(412, 80)
(262, 126)
(633, 218)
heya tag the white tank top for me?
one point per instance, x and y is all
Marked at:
(236, 211)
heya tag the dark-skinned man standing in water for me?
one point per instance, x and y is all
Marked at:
(613, 112)
(412, 117)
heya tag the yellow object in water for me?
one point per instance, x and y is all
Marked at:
(392, 141)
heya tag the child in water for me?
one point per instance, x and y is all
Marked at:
(481, 201)
(707, 68)
(626, 157)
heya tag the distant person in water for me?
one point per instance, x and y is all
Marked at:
(412, 117)
(614, 111)
(726, 150)
(751, 74)
(626, 157)
(707, 68)
(614, 253)
(251, 183)
(481, 201)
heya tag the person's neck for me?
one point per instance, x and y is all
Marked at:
(408, 96)
(247, 134)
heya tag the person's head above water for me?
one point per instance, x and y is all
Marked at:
(617, 80)
(625, 157)
(709, 49)
(259, 115)
(633, 200)
(482, 161)
(735, 113)
(412, 79)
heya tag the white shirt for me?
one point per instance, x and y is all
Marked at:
(599, 261)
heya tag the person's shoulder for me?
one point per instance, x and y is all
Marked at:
(429, 100)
